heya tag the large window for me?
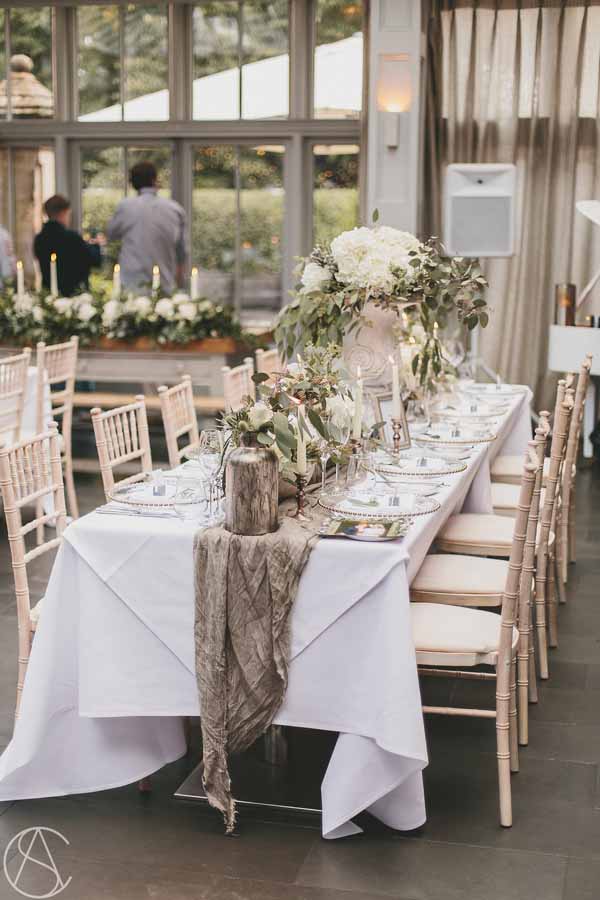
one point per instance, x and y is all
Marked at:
(250, 110)
(26, 84)
(123, 63)
(237, 223)
(241, 60)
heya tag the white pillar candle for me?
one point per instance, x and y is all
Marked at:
(116, 285)
(301, 466)
(358, 408)
(155, 278)
(20, 279)
(396, 401)
(194, 284)
(53, 276)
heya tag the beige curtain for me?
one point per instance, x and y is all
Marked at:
(520, 82)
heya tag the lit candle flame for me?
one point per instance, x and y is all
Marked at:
(53, 257)
(117, 268)
(194, 270)
(19, 264)
(155, 270)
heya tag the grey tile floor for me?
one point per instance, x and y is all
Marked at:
(128, 846)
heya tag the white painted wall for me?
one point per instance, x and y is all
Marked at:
(394, 174)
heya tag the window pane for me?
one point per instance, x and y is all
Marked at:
(3, 105)
(33, 183)
(146, 63)
(160, 157)
(335, 195)
(214, 220)
(102, 187)
(338, 59)
(4, 216)
(216, 90)
(265, 59)
(31, 78)
(261, 225)
(99, 63)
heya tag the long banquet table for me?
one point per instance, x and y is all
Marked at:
(112, 674)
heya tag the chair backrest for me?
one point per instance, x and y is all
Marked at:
(56, 369)
(13, 387)
(238, 384)
(30, 471)
(269, 362)
(510, 598)
(122, 437)
(179, 418)
(575, 430)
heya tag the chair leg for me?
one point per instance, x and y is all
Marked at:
(552, 604)
(532, 679)
(571, 530)
(39, 530)
(542, 637)
(504, 757)
(562, 546)
(514, 726)
(70, 487)
(558, 582)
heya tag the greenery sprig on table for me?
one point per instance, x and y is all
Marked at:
(392, 270)
(37, 316)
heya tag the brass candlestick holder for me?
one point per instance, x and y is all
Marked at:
(400, 434)
(301, 513)
(352, 468)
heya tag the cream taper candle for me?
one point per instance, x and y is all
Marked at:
(155, 278)
(116, 285)
(20, 279)
(53, 275)
(396, 400)
(194, 284)
(358, 408)
(301, 465)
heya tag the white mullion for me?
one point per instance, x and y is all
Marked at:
(8, 53)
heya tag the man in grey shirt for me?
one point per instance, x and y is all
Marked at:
(152, 231)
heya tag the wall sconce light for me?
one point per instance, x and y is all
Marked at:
(391, 129)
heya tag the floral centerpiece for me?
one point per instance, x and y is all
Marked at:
(385, 269)
(38, 316)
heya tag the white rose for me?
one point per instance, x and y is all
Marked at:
(187, 311)
(141, 306)
(180, 298)
(110, 312)
(86, 311)
(164, 308)
(24, 303)
(259, 415)
(314, 277)
(63, 305)
(84, 298)
(38, 313)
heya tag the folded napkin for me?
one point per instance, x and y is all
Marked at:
(245, 588)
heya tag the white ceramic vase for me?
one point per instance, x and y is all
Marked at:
(371, 346)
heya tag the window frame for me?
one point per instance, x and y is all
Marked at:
(298, 132)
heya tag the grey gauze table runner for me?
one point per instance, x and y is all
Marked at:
(245, 588)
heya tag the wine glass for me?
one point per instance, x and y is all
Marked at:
(325, 447)
(340, 435)
(209, 457)
(189, 498)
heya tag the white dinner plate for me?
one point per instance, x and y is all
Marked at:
(366, 504)
(457, 433)
(489, 391)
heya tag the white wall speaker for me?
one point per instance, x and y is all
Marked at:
(479, 218)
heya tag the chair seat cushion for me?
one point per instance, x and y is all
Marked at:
(480, 530)
(506, 496)
(454, 629)
(459, 574)
(512, 467)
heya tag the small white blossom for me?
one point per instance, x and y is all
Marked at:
(180, 297)
(314, 277)
(259, 415)
(164, 308)
(110, 312)
(205, 306)
(140, 306)
(24, 303)
(63, 305)
(86, 311)
(38, 313)
(187, 311)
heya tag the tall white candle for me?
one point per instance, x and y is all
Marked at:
(20, 279)
(301, 466)
(155, 278)
(116, 286)
(194, 284)
(358, 408)
(53, 276)
(396, 401)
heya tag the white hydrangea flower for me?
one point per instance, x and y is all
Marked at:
(164, 308)
(187, 311)
(110, 312)
(86, 311)
(63, 305)
(180, 297)
(140, 306)
(314, 277)
(38, 313)
(24, 303)
(259, 415)
(365, 257)
(83, 298)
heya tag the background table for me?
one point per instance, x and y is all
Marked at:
(112, 666)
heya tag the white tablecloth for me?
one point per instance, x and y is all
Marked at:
(112, 666)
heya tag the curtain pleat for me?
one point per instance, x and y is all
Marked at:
(519, 81)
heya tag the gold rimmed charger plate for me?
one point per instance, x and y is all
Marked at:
(335, 503)
(410, 468)
(449, 441)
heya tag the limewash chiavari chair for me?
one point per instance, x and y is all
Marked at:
(269, 362)
(56, 370)
(122, 437)
(566, 530)
(13, 387)
(451, 640)
(238, 384)
(29, 471)
(179, 418)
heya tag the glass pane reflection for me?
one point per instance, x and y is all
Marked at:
(338, 59)
(335, 190)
